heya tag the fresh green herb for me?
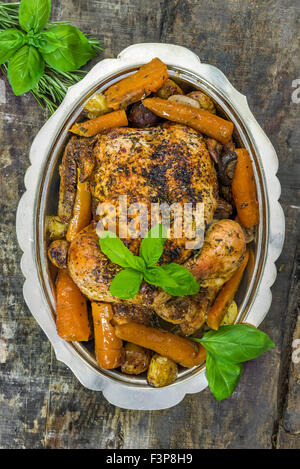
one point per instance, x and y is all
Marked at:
(126, 284)
(10, 42)
(34, 14)
(173, 278)
(9, 15)
(64, 48)
(58, 51)
(152, 245)
(226, 350)
(222, 376)
(25, 69)
(118, 253)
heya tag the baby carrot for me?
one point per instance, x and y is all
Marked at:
(71, 310)
(178, 349)
(82, 210)
(199, 119)
(225, 297)
(109, 349)
(244, 189)
(94, 126)
(148, 79)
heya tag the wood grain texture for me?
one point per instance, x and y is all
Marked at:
(42, 405)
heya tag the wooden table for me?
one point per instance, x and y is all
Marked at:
(42, 405)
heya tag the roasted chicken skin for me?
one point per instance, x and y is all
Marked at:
(222, 253)
(77, 154)
(167, 163)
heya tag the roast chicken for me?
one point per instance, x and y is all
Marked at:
(166, 163)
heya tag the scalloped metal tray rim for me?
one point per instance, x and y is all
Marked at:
(121, 394)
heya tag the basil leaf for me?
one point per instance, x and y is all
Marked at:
(118, 253)
(126, 284)
(159, 277)
(34, 14)
(237, 343)
(11, 40)
(222, 376)
(65, 48)
(25, 69)
(152, 245)
(186, 282)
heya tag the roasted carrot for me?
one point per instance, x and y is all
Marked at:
(109, 349)
(244, 189)
(71, 309)
(199, 119)
(178, 349)
(82, 210)
(226, 295)
(148, 79)
(94, 126)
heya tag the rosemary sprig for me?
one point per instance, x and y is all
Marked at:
(9, 15)
(53, 85)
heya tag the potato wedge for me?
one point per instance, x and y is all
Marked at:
(231, 315)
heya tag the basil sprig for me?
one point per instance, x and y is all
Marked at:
(62, 47)
(226, 350)
(173, 278)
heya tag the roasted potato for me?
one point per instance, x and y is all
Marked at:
(230, 315)
(168, 89)
(162, 371)
(140, 116)
(205, 102)
(137, 359)
(179, 98)
(55, 228)
(58, 253)
(96, 106)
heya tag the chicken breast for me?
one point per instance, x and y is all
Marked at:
(163, 164)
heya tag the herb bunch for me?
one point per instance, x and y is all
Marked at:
(43, 61)
(173, 278)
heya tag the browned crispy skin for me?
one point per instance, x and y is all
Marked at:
(136, 313)
(93, 272)
(222, 252)
(68, 182)
(79, 151)
(167, 163)
(84, 155)
(221, 255)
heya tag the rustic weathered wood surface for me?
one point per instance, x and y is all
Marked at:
(42, 405)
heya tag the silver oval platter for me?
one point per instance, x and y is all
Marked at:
(41, 181)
